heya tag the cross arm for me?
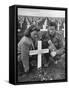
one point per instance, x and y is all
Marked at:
(35, 52)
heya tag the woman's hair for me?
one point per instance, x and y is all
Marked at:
(31, 29)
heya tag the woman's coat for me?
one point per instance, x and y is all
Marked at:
(24, 46)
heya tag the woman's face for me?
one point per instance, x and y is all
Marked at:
(34, 35)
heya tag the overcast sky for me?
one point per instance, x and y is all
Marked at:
(39, 12)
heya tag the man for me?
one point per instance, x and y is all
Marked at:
(56, 43)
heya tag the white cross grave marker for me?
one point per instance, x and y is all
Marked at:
(21, 22)
(28, 24)
(44, 26)
(39, 52)
(58, 26)
(64, 29)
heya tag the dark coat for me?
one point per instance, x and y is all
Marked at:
(58, 41)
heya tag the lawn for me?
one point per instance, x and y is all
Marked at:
(52, 72)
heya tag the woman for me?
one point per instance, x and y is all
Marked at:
(26, 44)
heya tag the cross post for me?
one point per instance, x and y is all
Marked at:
(39, 52)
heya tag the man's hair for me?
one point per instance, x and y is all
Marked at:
(31, 29)
(53, 24)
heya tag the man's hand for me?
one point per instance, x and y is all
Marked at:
(53, 53)
(51, 46)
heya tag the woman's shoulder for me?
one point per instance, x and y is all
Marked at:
(25, 40)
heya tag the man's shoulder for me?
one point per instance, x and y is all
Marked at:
(58, 34)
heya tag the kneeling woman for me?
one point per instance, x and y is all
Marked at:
(26, 44)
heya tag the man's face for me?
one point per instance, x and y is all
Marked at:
(51, 30)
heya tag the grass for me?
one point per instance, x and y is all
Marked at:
(52, 72)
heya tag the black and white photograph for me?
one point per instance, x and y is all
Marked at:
(41, 45)
(34, 45)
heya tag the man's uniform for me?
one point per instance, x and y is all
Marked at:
(58, 43)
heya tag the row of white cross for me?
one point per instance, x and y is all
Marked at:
(44, 26)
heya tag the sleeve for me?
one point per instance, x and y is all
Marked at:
(61, 49)
(61, 41)
(24, 53)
